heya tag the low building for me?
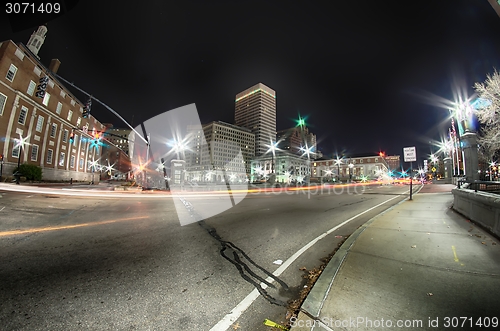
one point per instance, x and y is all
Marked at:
(393, 162)
(285, 166)
(351, 168)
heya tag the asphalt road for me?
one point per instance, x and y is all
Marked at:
(126, 263)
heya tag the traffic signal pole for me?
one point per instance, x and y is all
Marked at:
(102, 103)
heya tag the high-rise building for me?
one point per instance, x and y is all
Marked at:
(255, 109)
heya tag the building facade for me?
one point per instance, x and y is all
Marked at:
(219, 151)
(119, 137)
(393, 162)
(354, 168)
(255, 109)
(296, 138)
(53, 132)
(285, 166)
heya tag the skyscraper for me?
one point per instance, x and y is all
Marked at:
(255, 109)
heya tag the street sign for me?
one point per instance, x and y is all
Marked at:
(410, 154)
(433, 169)
(426, 166)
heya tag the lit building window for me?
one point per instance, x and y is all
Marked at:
(46, 99)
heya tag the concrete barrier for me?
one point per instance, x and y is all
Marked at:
(480, 207)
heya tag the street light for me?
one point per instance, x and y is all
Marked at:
(350, 171)
(492, 167)
(273, 147)
(338, 162)
(20, 142)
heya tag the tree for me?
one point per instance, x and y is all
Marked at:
(489, 114)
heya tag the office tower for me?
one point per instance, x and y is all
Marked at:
(255, 109)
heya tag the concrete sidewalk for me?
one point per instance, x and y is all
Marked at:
(418, 266)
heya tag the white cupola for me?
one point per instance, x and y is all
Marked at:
(36, 40)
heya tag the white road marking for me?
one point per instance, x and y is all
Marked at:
(236, 312)
(2, 208)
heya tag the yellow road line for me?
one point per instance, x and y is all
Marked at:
(64, 227)
(454, 253)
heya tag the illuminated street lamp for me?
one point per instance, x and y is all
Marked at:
(350, 170)
(19, 144)
(338, 162)
(492, 168)
(273, 147)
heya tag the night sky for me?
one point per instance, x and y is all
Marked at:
(357, 70)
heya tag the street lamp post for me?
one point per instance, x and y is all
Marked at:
(350, 171)
(338, 162)
(20, 143)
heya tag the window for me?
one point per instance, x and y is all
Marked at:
(16, 148)
(78, 121)
(11, 73)
(72, 162)
(37, 71)
(61, 159)
(70, 114)
(3, 99)
(65, 136)
(39, 123)
(46, 99)
(58, 108)
(50, 153)
(53, 130)
(34, 152)
(81, 163)
(75, 139)
(31, 88)
(22, 115)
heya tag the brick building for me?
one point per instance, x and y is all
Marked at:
(45, 124)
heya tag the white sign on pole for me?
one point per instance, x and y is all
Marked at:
(410, 154)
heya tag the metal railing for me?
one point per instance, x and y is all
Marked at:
(480, 185)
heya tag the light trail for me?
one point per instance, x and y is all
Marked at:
(65, 227)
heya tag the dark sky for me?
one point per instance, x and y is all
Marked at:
(355, 69)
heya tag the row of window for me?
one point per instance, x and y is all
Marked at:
(50, 154)
(11, 73)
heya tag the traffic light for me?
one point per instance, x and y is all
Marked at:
(86, 108)
(1, 157)
(42, 86)
(72, 137)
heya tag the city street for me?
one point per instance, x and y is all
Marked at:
(125, 262)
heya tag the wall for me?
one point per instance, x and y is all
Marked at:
(480, 207)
